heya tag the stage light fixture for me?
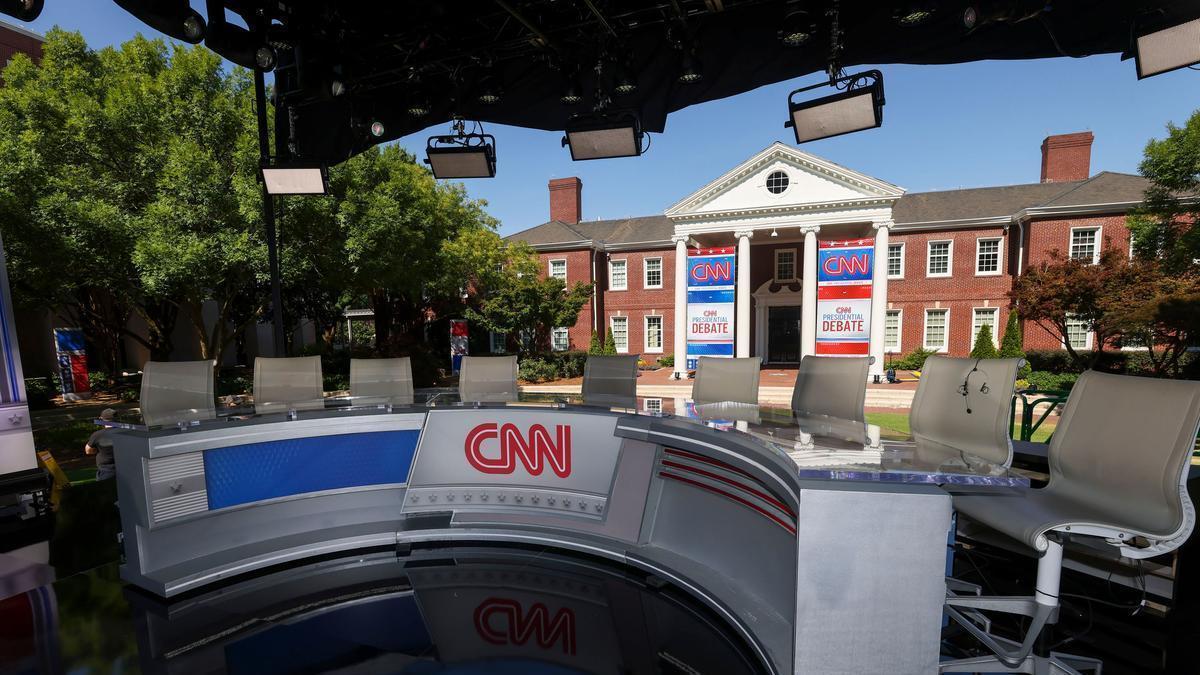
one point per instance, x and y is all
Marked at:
(858, 106)
(625, 82)
(913, 14)
(1160, 49)
(175, 19)
(461, 155)
(572, 93)
(337, 88)
(377, 129)
(798, 28)
(689, 69)
(489, 91)
(295, 179)
(418, 103)
(604, 135)
(237, 44)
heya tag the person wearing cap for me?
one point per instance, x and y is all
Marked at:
(100, 445)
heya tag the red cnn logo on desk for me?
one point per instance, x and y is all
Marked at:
(501, 621)
(536, 450)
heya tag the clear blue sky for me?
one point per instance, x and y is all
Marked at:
(945, 127)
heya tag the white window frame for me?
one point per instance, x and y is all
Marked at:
(652, 405)
(775, 274)
(550, 268)
(925, 330)
(492, 337)
(662, 272)
(899, 331)
(1099, 242)
(612, 286)
(611, 321)
(887, 263)
(662, 331)
(995, 325)
(949, 258)
(1087, 342)
(999, 257)
(566, 332)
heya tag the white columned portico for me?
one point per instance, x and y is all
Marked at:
(808, 312)
(879, 294)
(680, 306)
(743, 292)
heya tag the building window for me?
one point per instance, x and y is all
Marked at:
(1078, 335)
(937, 326)
(497, 342)
(895, 261)
(620, 332)
(560, 341)
(1085, 244)
(984, 316)
(938, 264)
(785, 264)
(891, 330)
(777, 182)
(653, 272)
(618, 275)
(652, 405)
(558, 269)
(654, 333)
(987, 256)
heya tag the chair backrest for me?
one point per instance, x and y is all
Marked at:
(386, 378)
(974, 424)
(488, 378)
(280, 382)
(719, 379)
(175, 391)
(1123, 447)
(832, 385)
(610, 380)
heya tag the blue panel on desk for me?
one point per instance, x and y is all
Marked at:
(249, 473)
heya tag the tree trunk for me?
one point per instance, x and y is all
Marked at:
(382, 307)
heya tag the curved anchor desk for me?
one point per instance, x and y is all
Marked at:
(811, 571)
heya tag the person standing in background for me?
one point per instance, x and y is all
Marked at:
(100, 445)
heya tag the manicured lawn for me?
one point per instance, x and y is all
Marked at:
(896, 425)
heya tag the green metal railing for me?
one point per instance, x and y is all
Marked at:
(1030, 399)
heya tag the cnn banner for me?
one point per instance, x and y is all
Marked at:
(844, 277)
(710, 303)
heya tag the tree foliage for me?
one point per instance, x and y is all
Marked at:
(985, 347)
(1166, 227)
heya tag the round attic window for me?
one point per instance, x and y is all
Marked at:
(777, 182)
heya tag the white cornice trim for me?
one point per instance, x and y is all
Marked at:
(1074, 209)
(630, 245)
(784, 209)
(956, 224)
(567, 245)
(776, 151)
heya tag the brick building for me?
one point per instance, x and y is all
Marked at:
(944, 261)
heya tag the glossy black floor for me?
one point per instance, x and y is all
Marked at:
(463, 610)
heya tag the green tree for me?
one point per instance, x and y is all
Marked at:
(1157, 310)
(595, 348)
(984, 347)
(1166, 226)
(518, 301)
(129, 186)
(1012, 343)
(610, 345)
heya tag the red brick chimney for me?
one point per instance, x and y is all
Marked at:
(1067, 157)
(566, 203)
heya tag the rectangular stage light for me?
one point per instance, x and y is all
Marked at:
(1162, 51)
(457, 161)
(604, 137)
(841, 113)
(296, 180)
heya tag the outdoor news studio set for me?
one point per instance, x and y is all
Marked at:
(492, 530)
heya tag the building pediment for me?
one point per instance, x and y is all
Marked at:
(780, 179)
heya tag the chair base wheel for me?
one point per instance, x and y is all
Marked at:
(1055, 664)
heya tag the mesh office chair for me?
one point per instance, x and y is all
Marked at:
(387, 380)
(288, 384)
(720, 379)
(832, 385)
(610, 380)
(484, 379)
(1119, 462)
(177, 391)
(962, 406)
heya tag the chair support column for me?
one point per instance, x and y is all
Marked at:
(680, 368)
(808, 292)
(742, 328)
(879, 284)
